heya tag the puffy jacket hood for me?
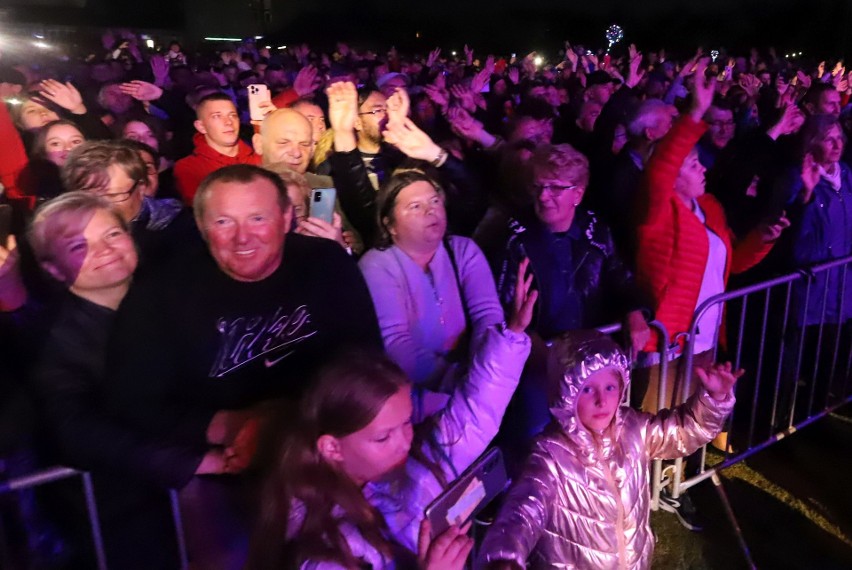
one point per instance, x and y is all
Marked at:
(574, 357)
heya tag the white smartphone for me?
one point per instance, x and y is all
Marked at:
(258, 93)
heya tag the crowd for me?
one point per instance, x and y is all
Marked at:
(176, 314)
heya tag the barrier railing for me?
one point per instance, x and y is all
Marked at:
(60, 473)
(789, 333)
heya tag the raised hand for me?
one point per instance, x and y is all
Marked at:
(63, 94)
(634, 71)
(411, 140)
(342, 105)
(718, 379)
(750, 84)
(141, 90)
(571, 56)
(703, 89)
(306, 81)
(810, 178)
(468, 55)
(13, 293)
(524, 299)
(463, 124)
(398, 105)
(160, 69)
(438, 95)
(464, 96)
(790, 121)
(433, 57)
(447, 552)
(820, 70)
(514, 74)
(480, 80)
(804, 80)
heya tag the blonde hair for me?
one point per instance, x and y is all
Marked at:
(562, 161)
(324, 148)
(62, 216)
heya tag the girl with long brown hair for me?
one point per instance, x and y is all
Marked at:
(354, 477)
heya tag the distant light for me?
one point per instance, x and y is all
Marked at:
(800, 53)
(282, 47)
(38, 36)
(215, 39)
(258, 37)
(538, 60)
(149, 43)
(41, 45)
(417, 35)
(268, 47)
(454, 54)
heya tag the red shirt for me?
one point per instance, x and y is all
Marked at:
(191, 170)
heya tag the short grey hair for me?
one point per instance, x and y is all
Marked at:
(645, 116)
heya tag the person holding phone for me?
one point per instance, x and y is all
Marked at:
(434, 295)
(353, 479)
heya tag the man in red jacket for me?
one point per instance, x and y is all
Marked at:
(217, 144)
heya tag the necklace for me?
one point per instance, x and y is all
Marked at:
(438, 300)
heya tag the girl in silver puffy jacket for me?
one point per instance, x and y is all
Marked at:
(583, 499)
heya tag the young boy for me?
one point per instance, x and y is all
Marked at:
(583, 500)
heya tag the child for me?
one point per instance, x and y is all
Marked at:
(583, 500)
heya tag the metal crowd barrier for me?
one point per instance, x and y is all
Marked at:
(59, 473)
(797, 366)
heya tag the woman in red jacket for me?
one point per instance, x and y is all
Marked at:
(686, 250)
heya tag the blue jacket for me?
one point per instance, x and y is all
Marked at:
(821, 231)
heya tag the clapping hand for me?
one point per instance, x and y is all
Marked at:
(718, 379)
(634, 71)
(399, 105)
(63, 94)
(343, 113)
(409, 139)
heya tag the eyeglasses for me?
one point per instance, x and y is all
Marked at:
(382, 111)
(554, 189)
(117, 197)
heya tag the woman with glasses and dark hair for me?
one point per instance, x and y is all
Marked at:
(115, 171)
(434, 294)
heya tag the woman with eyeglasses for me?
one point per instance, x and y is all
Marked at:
(581, 280)
(115, 171)
(434, 294)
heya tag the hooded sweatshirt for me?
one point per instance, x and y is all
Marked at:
(583, 500)
(191, 170)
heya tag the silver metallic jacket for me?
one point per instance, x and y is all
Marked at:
(583, 500)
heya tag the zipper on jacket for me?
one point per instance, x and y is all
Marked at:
(619, 522)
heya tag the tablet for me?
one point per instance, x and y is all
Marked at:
(469, 493)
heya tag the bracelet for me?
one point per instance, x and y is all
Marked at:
(440, 159)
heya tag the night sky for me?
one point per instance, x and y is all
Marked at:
(820, 27)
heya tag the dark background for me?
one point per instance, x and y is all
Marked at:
(819, 28)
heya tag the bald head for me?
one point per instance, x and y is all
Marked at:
(285, 136)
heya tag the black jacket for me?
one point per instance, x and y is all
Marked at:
(582, 282)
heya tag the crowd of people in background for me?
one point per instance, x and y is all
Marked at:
(175, 313)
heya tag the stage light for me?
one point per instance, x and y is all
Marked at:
(150, 44)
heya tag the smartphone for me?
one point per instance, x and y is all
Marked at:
(5, 223)
(258, 93)
(322, 203)
(465, 497)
